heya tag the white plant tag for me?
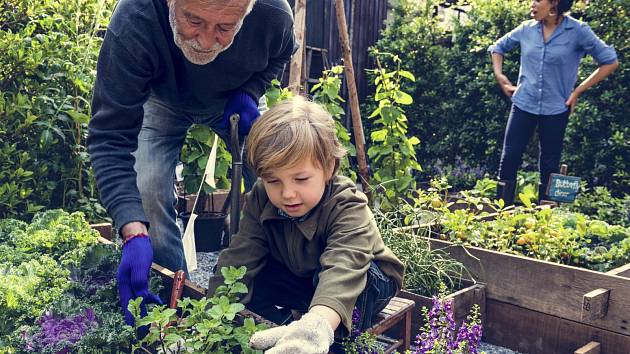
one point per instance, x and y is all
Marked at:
(190, 251)
(212, 160)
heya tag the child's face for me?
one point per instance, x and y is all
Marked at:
(297, 189)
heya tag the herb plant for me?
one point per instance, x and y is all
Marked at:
(360, 342)
(207, 325)
(425, 268)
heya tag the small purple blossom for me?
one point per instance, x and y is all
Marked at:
(439, 333)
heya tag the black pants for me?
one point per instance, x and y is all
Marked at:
(519, 130)
(277, 286)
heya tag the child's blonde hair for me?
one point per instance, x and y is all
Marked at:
(290, 132)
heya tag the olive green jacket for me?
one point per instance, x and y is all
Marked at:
(338, 239)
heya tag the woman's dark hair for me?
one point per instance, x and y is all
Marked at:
(564, 6)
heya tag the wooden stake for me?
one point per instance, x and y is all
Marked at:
(295, 72)
(590, 348)
(353, 96)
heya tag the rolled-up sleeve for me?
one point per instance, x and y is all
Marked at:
(507, 42)
(595, 47)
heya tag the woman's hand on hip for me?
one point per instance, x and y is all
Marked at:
(572, 101)
(506, 85)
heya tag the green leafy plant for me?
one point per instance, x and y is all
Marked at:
(195, 154)
(554, 235)
(276, 93)
(46, 74)
(392, 153)
(52, 272)
(207, 325)
(326, 93)
(601, 204)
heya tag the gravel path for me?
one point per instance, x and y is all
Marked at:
(493, 349)
(205, 263)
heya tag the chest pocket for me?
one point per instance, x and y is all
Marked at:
(557, 51)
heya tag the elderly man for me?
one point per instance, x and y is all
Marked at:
(165, 65)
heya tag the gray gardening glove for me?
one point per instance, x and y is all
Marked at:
(311, 334)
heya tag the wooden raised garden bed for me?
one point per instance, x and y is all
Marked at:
(535, 306)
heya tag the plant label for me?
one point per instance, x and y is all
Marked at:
(563, 188)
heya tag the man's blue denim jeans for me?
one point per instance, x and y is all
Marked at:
(519, 130)
(276, 285)
(159, 145)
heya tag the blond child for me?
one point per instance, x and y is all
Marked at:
(307, 236)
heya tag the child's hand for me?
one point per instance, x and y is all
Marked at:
(311, 334)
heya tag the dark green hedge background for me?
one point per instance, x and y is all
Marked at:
(459, 111)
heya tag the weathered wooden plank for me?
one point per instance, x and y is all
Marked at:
(623, 271)
(295, 73)
(534, 332)
(191, 289)
(105, 230)
(590, 348)
(463, 300)
(546, 287)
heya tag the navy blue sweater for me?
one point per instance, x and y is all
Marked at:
(139, 59)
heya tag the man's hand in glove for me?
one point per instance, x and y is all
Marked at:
(247, 108)
(312, 334)
(133, 274)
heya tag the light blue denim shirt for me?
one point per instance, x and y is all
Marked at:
(548, 71)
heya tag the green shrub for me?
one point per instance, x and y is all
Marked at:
(46, 74)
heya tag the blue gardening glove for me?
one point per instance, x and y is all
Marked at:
(242, 103)
(133, 275)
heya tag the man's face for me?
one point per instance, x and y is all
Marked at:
(205, 28)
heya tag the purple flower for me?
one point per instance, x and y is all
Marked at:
(439, 331)
(60, 329)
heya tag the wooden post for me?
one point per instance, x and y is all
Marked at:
(353, 96)
(595, 305)
(295, 72)
(564, 169)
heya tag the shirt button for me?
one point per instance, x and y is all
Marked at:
(539, 90)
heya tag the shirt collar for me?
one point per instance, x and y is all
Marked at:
(566, 23)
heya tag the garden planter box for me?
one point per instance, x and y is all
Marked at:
(209, 230)
(535, 306)
(463, 301)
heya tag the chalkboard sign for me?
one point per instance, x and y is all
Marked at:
(563, 188)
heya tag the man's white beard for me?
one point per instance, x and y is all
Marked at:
(191, 48)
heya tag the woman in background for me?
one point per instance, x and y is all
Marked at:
(552, 44)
